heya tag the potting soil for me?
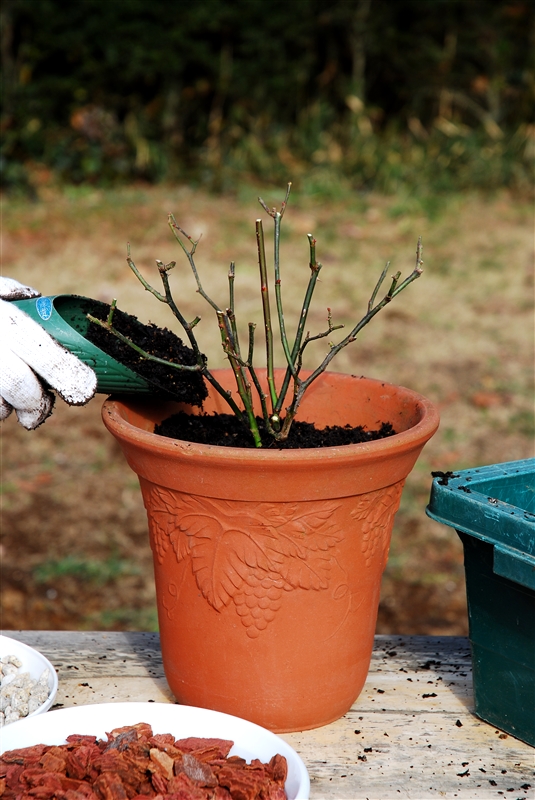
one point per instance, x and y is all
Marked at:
(182, 385)
(226, 430)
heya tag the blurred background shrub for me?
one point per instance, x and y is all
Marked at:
(389, 95)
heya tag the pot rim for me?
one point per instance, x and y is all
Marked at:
(422, 431)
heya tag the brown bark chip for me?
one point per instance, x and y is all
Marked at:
(135, 764)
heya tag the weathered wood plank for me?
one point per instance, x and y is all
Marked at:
(416, 756)
(411, 734)
(84, 690)
(98, 654)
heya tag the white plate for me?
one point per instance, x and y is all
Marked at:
(35, 663)
(250, 740)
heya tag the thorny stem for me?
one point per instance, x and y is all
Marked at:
(178, 233)
(252, 328)
(277, 218)
(142, 280)
(243, 386)
(378, 286)
(230, 310)
(315, 268)
(268, 330)
(278, 289)
(262, 396)
(244, 371)
(111, 312)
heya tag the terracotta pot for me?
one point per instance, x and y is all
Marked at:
(268, 563)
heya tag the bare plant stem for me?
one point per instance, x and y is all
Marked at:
(268, 330)
(315, 268)
(244, 371)
(139, 350)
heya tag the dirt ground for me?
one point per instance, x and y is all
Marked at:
(74, 545)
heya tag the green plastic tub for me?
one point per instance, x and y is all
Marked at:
(493, 511)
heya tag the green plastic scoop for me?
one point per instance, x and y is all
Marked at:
(63, 316)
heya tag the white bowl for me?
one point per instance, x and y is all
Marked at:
(35, 663)
(250, 740)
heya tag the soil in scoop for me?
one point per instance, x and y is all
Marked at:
(226, 430)
(181, 385)
(217, 429)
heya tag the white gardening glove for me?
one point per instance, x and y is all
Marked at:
(32, 362)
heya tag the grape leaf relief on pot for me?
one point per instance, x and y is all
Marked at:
(375, 511)
(245, 553)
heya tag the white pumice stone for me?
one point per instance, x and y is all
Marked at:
(11, 660)
(7, 679)
(11, 716)
(34, 703)
(20, 694)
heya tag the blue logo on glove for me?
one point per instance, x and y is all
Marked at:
(44, 307)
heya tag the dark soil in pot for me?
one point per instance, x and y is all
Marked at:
(216, 429)
(227, 431)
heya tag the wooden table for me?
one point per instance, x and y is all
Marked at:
(411, 733)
